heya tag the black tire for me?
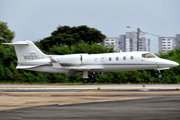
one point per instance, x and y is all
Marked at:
(93, 80)
(160, 76)
(86, 80)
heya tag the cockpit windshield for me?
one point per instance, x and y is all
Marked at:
(148, 55)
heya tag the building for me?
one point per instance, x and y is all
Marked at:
(168, 43)
(112, 42)
(126, 43)
(177, 39)
(131, 42)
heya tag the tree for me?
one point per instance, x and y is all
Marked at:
(6, 35)
(65, 35)
(81, 47)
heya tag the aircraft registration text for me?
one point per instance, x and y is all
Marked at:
(32, 57)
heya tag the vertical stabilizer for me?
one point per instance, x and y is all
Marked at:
(27, 50)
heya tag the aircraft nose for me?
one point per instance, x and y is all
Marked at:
(167, 63)
(172, 64)
(175, 64)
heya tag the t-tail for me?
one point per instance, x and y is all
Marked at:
(28, 54)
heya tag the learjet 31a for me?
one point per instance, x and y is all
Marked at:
(32, 58)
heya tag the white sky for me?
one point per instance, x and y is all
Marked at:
(36, 19)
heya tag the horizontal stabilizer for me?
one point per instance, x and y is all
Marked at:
(18, 43)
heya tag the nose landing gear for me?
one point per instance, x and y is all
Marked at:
(160, 76)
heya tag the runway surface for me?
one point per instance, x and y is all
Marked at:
(160, 108)
(79, 88)
(75, 104)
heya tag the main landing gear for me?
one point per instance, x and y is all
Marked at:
(160, 76)
(93, 77)
(86, 78)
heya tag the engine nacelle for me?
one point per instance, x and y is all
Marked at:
(70, 60)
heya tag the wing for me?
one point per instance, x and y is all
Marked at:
(73, 70)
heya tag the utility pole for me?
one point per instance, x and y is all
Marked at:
(138, 31)
(149, 45)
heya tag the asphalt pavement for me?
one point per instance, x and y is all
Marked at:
(87, 102)
(159, 108)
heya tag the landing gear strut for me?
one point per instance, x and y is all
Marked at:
(160, 76)
(85, 77)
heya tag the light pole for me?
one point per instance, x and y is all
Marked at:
(130, 28)
(149, 45)
(138, 32)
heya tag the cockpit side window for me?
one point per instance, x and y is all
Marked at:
(148, 55)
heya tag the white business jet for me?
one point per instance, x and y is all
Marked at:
(32, 58)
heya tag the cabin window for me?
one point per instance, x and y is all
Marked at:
(110, 58)
(124, 58)
(117, 58)
(103, 59)
(95, 59)
(148, 55)
(131, 57)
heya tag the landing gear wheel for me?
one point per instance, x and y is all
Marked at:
(93, 75)
(93, 80)
(160, 76)
(86, 80)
